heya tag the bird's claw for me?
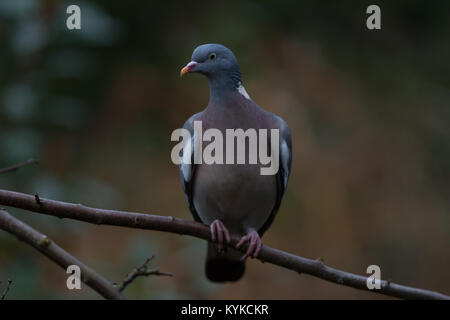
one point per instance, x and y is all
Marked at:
(218, 229)
(254, 246)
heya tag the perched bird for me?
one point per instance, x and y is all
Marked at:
(231, 198)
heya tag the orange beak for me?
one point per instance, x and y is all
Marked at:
(189, 67)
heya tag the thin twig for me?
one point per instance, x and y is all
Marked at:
(142, 271)
(6, 290)
(19, 165)
(64, 259)
(174, 225)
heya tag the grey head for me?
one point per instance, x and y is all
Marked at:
(218, 64)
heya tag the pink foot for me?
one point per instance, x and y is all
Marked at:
(219, 231)
(254, 246)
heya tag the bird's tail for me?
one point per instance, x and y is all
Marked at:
(225, 266)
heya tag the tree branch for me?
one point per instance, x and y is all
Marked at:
(174, 225)
(19, 165)
(46, 246)
(6, 290)
(142, 271)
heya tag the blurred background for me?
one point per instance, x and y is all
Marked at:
(369, 113)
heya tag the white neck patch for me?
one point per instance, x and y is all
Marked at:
(242, 91)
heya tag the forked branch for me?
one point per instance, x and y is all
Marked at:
(142, 271)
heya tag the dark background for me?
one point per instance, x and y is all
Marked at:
(369, 113)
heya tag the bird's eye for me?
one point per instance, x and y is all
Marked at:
(212, 56)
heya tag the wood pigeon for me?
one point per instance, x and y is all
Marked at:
(231, 198)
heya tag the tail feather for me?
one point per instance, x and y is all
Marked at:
(222, 267)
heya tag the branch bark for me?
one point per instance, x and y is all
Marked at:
(315, 268)
(19, 165)
(64, 259)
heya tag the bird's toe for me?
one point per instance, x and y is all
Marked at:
(254, 246)
(219, 233)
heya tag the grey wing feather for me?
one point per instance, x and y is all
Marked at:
(187, 168)
(282, 176)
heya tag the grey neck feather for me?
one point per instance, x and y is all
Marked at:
(224, 83)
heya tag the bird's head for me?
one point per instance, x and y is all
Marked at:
(216, 62)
